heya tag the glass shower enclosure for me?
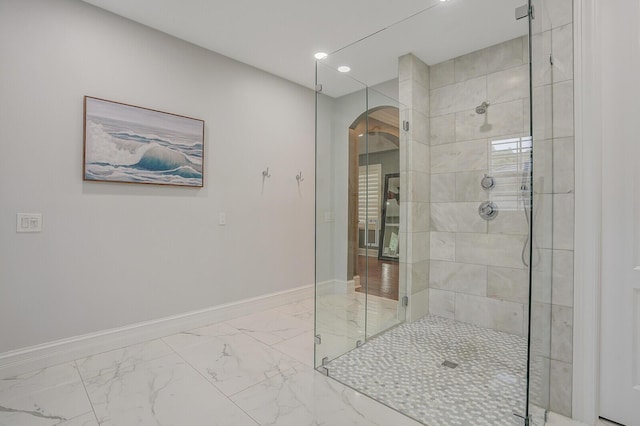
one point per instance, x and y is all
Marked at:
(433, 280)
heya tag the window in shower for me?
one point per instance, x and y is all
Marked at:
(510, 165)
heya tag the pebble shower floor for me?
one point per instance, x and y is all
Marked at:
(404, 369)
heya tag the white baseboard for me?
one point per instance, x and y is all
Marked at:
(24, 360)
(335, 287)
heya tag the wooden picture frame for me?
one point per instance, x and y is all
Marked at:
(388, 247)
(130, 144)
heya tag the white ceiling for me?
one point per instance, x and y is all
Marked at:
(281, 36)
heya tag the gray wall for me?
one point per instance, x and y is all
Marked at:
(114, 254)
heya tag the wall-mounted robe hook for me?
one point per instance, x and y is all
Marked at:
(299, 177)
(266, 174)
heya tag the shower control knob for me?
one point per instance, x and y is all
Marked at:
(488, 182)
(488, 210)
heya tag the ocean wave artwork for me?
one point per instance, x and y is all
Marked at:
(125, 143)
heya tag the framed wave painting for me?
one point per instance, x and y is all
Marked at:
(125, 143)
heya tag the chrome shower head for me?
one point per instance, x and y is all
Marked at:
(482, 108)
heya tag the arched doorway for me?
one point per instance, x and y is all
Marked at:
(374, 158)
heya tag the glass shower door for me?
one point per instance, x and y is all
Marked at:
(475, 259)
(340, 311)
(359, 263)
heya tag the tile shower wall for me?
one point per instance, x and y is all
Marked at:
(476, 272)
(413, 78)
(553, 132)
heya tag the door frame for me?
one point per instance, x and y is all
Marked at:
(588, 211)
(588, 60)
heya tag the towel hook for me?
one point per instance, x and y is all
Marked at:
(299, 177)
(266, 174)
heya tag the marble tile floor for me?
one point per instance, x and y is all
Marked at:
(344, 318)
(254, 370)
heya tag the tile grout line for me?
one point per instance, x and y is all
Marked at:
(212, 384)
(75, 363)
(228, 397)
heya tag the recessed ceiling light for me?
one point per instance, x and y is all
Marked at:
(344, 68)
(320, 55)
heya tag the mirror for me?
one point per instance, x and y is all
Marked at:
(389, 247)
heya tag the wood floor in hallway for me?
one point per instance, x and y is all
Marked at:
(382, 278)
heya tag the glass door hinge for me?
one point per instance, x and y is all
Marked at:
(405, 301)
(525, 11)
(318, 339)
(318, 88)
(527, 420)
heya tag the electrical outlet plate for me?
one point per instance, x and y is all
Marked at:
(29, 222)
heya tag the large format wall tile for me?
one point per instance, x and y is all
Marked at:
(509, 222)
(442, 303)
(500, 119)
(542, 113)
(443, 187)
(563, 109)
(418, 157)
(418, 245)
(508, 85)
(418, 216)
(458, 97)
(561, 333)
(562, 291)
(471, 65)
(456, 217)
(542, 283)
(506, 55)
(560, 393)
(443, 129)
(441, 74)
(508, 284)
(563, 221)
(490, 313)
(419, 275)
(541, 332)
(458, 277)
(468, 188)
(443, 246)
(563, 165)
(562, 50)
(490, 249)
(459, 156)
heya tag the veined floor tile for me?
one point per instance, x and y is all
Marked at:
(44, 397)
(200, 335)
(300, 348)
(302, 306)
(88, 419)
(271, 326)
(303, 310)
(122, 358)
(232, 361)
(164, 391)
(302, 396)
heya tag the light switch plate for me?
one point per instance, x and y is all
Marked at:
(29, 222)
